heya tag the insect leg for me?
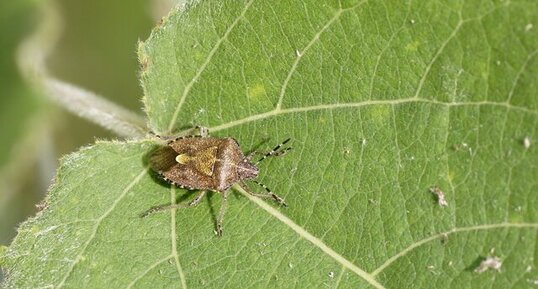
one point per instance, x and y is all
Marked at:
(167, 139)
(160, 208)
(220, 218)
(269, 194)
(160, 137)
(197, 200)
(274, 152)
(204, 131)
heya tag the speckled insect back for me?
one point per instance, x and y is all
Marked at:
(206, 163)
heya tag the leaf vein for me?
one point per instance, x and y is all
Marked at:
(312, 239)
(300, 54)
(98, 223)
(384, 49)
(436, 55)
(398, 171)
(276, 112)
(173, 239)
(454, 206)
(340, 277)
(151, 267)
(440, 235)
(518, 75)
(201, 69)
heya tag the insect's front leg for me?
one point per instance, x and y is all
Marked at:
(202, 132)
(167, 139)
(275, 152)
(269, 195)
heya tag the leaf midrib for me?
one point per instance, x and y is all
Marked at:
(369, 277)
(301, 232)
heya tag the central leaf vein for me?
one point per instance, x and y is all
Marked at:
(312, 239)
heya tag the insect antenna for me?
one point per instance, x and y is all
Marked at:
(274, 152)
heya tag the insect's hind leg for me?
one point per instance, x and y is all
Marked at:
(161, 208)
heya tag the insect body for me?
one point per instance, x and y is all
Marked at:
(208, 164)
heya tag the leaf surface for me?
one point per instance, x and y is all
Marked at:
(383, 100)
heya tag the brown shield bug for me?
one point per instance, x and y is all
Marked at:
(204, 163)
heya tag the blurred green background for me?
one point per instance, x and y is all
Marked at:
(96, 51)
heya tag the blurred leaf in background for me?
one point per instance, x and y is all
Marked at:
(22, 114)
(97, 50)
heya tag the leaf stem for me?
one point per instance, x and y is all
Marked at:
(32, 55)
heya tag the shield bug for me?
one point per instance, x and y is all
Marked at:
(204, 163)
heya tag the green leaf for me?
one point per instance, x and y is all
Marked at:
(383, 101)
